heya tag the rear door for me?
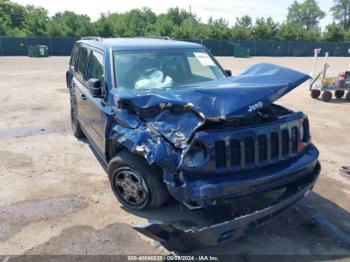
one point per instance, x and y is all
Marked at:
(79, 83)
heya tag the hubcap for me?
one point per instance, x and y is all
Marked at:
(130, 186)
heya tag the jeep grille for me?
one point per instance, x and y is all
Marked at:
(262, 149)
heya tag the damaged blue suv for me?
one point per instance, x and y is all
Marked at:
(167, 120)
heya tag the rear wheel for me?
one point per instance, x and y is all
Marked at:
(76, 128)
(135, 183)
(315, 93)
(327, 96)
(339, 94)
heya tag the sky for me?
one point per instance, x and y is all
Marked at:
(228, 9)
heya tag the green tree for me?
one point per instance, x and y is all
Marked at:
(140, 22)
(3, 25)
(104, 26)
(290, 32)
(311, 35)
(242, 28)
(11, 18)
(306, 14)
(188, 29)
(341, 12)
(216, 29)
(177, 16)
(5, 19)
(35, 21)
(119, 24)
(164, 25)
(69, 24)
(178, 23)
(265, 29)
(334, 32)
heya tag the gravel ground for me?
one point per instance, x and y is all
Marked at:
(55, 198)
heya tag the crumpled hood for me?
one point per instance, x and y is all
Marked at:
(178, 113)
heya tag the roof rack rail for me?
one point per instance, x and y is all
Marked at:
(156, 37)
(96, 38)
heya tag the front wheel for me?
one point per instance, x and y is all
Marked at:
(135, 183)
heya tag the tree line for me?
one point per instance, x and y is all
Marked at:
(302, 23)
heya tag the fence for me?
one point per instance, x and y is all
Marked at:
(275, 48)
(18, 46)
(62, 46)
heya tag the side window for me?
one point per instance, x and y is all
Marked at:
(83, 56)
(95, 69)
(74, 57)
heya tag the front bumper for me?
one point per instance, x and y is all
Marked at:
(176, 238)
(211, 190)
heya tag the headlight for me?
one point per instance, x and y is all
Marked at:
(195, 156)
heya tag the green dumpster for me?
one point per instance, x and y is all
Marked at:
(38, 51)
(241, 51)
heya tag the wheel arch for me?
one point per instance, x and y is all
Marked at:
(112, 148)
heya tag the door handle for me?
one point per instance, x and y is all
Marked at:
(83, 97)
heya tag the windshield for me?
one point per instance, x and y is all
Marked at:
(164, 69)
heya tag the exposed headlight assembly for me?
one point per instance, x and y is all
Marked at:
(305, 137)
(304, 133)
(195, 156)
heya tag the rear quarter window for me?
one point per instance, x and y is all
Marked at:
(74, 56)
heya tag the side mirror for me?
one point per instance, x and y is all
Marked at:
(95, 87)
(228, 72)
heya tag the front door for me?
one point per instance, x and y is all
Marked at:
(95, 107)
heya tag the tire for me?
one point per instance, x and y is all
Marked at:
(339, 94)
(76, 128)
(135, 183)
(347, 97)
(327, 96)
(315, 93)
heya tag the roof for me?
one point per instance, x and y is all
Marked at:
(126, 44)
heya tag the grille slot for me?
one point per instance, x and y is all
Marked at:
(285, 142)
(220, 153)
(257, 150)
(235, 151)
(274, 145)
(249, 150)
(262, 142)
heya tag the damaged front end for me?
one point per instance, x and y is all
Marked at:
(185, 239)
(217, 141)
(183, 130)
